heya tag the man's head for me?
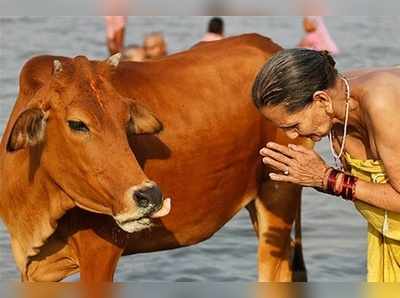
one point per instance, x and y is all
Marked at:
(294, 91)
(216, 26)
(309, 24)
(133, 53)
(154, 45)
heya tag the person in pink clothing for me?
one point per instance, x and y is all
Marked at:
(215, 30)
(317, 36)
(115, 29)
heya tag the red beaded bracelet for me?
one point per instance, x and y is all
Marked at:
(347, 187)
(330, 188)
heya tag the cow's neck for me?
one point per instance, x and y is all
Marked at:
(37, 218)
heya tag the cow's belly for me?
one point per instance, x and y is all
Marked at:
(189, 224)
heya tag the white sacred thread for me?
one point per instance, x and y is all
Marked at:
(337, 156)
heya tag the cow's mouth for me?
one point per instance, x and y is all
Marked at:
(143, 220)
(163, 210)
(135, 225)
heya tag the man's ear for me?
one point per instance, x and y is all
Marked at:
(325, 100)
(142, 121)
(28, 130)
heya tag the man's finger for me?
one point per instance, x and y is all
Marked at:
(283, 149)
(275, 164)
(281, 178)
(299, 148)
(276, 155)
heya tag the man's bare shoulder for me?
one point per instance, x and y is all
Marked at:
(382, 91)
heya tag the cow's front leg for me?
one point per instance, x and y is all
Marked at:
(275, 211)
(98, 257)
(98, 244)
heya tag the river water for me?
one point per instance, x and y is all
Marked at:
(334, 235)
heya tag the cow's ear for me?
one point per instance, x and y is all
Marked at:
(28, 130)
(142, 121)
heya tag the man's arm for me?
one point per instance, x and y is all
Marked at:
(385, 125)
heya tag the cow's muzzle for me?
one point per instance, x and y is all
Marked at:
(151, 199)
(149, 204)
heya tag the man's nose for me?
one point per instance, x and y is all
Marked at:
(292, 134)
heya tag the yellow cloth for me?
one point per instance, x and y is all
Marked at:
(383, 226)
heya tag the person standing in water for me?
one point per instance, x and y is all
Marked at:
(301, 92)
(317, 36)
(155, 46)
(215, 30)
(115, 29)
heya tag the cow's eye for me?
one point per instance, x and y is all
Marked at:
(78, 126)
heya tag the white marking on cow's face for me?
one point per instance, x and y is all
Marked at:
(136, 225)
(131, 222)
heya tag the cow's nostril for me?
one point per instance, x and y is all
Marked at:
(141, 199)
(143, 203)
(148, 197)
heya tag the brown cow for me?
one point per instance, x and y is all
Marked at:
(206, 159)
(66, 145)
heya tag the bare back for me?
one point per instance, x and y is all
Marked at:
(372, 89)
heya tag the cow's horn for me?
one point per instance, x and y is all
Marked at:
(57, 66)
(114, 59)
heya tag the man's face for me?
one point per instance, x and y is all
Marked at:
(312, 121)
(136, 55)
(154, 47)
(309, 25)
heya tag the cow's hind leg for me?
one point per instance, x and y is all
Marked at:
(251, 207)
(273, 213)
(299, 266)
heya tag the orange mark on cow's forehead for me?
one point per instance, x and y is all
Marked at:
(95, 90)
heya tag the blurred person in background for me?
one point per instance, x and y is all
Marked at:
(115, 30)
(155, 45)
(133, 53)
(215, 30)
(317, 36)
(301, 91)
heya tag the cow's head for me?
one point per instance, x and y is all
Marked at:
(80, 125)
